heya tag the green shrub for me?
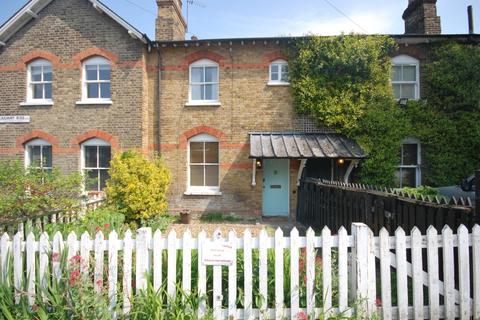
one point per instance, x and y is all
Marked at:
(104, 219)
(421, 191)
(28, 192)
(218, 217)
(155, 305)
(160, 222)
(137, 186)
(72, 297)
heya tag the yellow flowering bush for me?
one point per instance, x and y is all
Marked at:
(137, 186)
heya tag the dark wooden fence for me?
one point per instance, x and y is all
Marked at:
(334, 204)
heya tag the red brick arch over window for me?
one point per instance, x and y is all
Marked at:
(39, 54)
(91, 52)
(183, 139)
(417, 53)
(202, 54)
(79, 139)
(272, 56)
(37, 134)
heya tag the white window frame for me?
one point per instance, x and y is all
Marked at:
(30, 100)
(281, 65)
(417, 167)
(203, 190)
(35, 143)
(94, 142)
(95, 61)
(407, 61)
(204, 63)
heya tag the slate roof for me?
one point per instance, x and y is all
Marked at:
(292, 145)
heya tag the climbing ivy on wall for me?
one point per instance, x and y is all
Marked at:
(344, 83)
(448, 121)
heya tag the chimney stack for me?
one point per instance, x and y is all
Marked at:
(170, 24)
(421, 17)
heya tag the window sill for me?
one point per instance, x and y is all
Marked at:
(202, 193)
(202, 104)
(93, 102)
(278, 84)
(36, 103)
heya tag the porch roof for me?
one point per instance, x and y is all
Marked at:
(294, 145)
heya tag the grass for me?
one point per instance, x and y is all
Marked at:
(215, 217)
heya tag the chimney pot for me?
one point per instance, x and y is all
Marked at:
(471, 28)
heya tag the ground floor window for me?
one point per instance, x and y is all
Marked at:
(38, 155)
(408, 172)
(96, 156)
(203, 164)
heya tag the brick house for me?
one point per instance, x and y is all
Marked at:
(78, 72)
(77, 82)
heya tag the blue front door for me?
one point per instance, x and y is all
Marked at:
(275, 187)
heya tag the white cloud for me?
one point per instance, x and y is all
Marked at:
(323, 23)
(365, 22)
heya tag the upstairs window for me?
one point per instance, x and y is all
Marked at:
(279, 72)
(204, 81)
(405, 78)
(408, 172)
(204, 166)
(96, 80)
(96, 156)
(39, 81)
(38, 155)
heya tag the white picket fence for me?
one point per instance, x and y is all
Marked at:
(352, 266)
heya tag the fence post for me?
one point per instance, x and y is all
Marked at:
(142, 258)
(363, 256)
(477, 197)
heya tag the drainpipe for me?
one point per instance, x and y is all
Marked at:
(159, 94)
(254, 172)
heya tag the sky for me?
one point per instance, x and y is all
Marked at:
(209, 19)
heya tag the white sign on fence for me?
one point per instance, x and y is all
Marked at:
(14, 119)
(217, 253)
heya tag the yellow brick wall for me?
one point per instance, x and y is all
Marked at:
(247, 104)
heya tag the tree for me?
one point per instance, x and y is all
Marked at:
(30, 192)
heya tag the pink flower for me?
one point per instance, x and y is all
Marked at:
(99, 282)
(301, 316)
(75, 259)
(74, 276)
(107, 226)
(378, 302)
(56, 257)
(98, 228)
